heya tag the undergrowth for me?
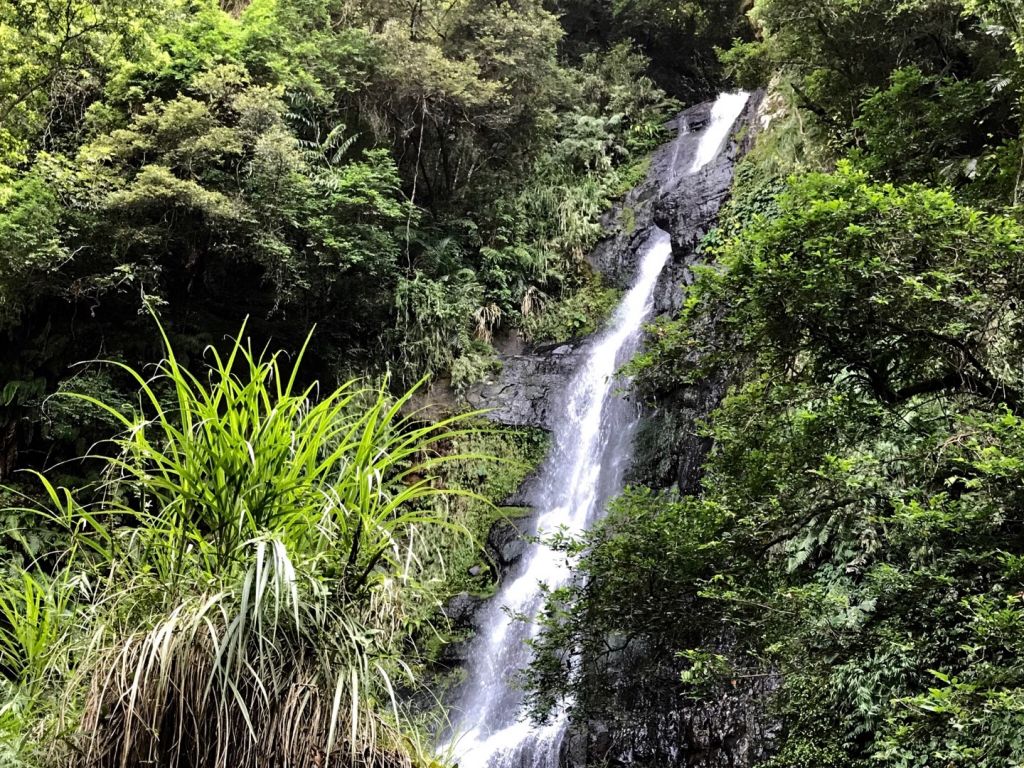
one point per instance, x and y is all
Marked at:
(245, 587)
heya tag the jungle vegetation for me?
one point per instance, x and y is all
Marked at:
(858, 538)
(235, 237)
(219, 521)
(410, 176)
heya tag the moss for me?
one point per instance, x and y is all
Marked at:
(627, 220)
(632, 175)
(491, 483)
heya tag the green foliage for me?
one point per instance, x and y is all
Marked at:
(573, 317)
(847, 266)
(256, 558)
(406, 177)
(921, 91)
(434, 319)
(925, 128)
(29, 243)
(51, 53)
(839, 48)
(615, 84)
(679, 37)
(855, 539)
(492, 483)
(648, 546)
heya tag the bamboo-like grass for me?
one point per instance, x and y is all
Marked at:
(243, 593)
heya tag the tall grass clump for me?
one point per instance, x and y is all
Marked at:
(244, 590)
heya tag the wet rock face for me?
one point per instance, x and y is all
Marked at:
(689, 208)
(506, 544)
(522, 395)
(643, 718)
(686, 206)
(461, 610)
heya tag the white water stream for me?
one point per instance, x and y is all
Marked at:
(591, 447)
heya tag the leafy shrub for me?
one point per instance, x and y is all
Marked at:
(577, 315)
(253, 564)
(856, 534)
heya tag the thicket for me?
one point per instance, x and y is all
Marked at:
(858, 536)
(679, 36)
(256, 555)
(413, 177)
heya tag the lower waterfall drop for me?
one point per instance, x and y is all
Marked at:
(591, 447)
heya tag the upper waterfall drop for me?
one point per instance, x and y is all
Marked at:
(591, 447)
(724, 114)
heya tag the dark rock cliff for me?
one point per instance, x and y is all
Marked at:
(643, 717)
(684, 205)
(523, 394)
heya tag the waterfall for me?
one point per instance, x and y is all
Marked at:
(591, 448)
(682, 131)
(726, 111)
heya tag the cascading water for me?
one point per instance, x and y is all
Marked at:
(591, 449)
(724, 114)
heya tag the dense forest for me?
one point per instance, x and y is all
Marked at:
(238, 240)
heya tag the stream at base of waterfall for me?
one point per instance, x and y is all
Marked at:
(591, 448)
